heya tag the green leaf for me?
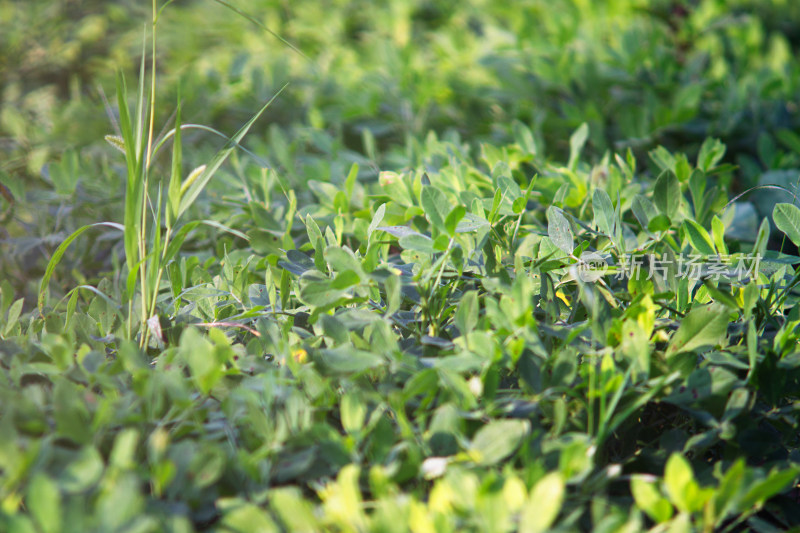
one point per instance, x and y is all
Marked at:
(662, 158)
(698, 237)
(342, 500)
(83, 471)
(319, 293)
(207, 465)
(12, 318)
(20, 523)
(297, 263)
(417, 242)
(678, 480)
(453, 219)
(436, 206)
(376, 220)
(44, 503)
(353, 412)
(174, 186)
(603, 211)
(710, 154)
(682, 168)
(576, 143)
(497, 440)
(787, 218)
(643, 210)
(265, 242)
(543, 505)
(720, 295)
(659, 223)
(737, 402)
(397, 187)
(340, 259)
(730, 486)
(332, 327)
(200, 355)
(124, 452)
(134, 155)
(317, 241)
(345, 280)
(470, 223)
(394, 295)
(508, 187)
(294, 511)
(120, 502)
(398, 231)
(575, 459)
(649, 499)
(467, 312)
(774, 483)
(667, 194)
(441, 243)
(518, 206)
(559, 231)
(350, 182)
(244, 517)
(347, 360)
(718, 232)
(524, 138)
(703, 326)
(762, 238)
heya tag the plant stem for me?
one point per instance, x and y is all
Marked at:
(148, 300)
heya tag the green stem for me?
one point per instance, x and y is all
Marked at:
(148, 300)
(441, 268)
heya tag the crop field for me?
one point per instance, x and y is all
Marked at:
(414, 265)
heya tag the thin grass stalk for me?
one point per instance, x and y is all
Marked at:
(149, 292)
(140, 146)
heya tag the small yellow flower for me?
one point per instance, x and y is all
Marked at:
(300, 356)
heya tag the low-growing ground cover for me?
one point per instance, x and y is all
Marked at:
(488, 268)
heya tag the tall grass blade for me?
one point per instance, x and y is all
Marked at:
(261, 161)
(194, 190)
(59, 253)
(175, 244)
(174, 187)
(132, 185)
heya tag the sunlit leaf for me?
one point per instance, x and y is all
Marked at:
(559, 231)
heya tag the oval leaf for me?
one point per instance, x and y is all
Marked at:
(698, 237)
(603, 211)
(436, 206)
(787, 218)
(497, 440)
(559, 231)
(470, 223)
(667, 194)
(649, 499)
(543, 505)
(703, 326)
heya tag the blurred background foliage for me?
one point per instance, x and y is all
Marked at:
(370, 77)
(470, 101)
